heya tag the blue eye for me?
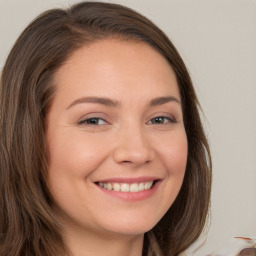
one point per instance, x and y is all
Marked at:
(93, 121)
(161, 120)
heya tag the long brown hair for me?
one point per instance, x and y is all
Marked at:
(27, 223)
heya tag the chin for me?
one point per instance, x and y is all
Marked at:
(130, 227)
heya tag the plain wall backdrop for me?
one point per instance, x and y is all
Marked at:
(217, 40)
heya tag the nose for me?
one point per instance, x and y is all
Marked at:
(133, 147)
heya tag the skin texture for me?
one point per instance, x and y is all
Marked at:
(126, 140)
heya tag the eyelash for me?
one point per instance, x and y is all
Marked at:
(163, 120)
(95, 121)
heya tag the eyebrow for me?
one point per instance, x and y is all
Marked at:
(162, 100)
(98, 100)
(113, 103)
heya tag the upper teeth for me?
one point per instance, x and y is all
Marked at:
(126, 187)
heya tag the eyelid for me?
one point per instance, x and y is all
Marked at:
(82, 121)
(170, 117)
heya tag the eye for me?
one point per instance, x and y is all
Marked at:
(93, 121)
(162, 120)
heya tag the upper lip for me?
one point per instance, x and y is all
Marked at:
(129, 179)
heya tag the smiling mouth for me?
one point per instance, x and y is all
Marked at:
(127, 187)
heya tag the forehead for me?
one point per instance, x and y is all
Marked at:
(111, 66)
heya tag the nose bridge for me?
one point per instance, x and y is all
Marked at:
(133, 145)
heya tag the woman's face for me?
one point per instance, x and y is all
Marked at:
(116, 138)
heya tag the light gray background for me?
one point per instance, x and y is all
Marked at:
(217, 39)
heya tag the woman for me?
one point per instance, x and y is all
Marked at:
(102, 147)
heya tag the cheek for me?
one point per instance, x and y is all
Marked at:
(73, 158)
(72, 161)
(174, 154)
(74, 154)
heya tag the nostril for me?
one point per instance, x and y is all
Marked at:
(126, 161)
(132, 156)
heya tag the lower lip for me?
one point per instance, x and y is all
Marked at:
(132, 196)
